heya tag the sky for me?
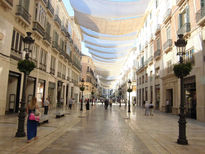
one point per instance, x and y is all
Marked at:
(71, 13)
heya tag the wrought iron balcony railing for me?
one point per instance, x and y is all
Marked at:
(167, 15)
(37, 27)
(50, 7)
(42, 67)
(200, 16)
(7, 3)
(57, 20)
(184, 29)
(167, 44)
(55, 45)
(59, 74)
(47, 37)
(52, 71)
(157, 53)
(21, 11)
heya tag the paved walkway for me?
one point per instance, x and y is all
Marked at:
(113, 131)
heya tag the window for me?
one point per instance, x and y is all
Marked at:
(157, 73)
(189, 56)
(48, 28)
(202, 3)
(168, 33)
(184, 17)
(25, 4)
(34, 52)
(142, 79)
(169, 66)
(68, 49)
(156, 3)
(150, 76)
(158, 44)
(55, 36)
(40, 14)
(17, 42)
(151, 50)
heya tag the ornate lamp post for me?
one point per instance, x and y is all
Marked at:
(92, 95)
(129, 90)
(181, 46)
(82, 88)
(120, 94)
(26, 67)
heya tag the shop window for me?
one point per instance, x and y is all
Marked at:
(189, 56)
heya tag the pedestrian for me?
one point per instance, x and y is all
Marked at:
(146, 108)
(70, 103)
(167, 105)
(106, 104)
(151, 107)
(32, 110)
(46, 104)
(87, 104)
(110, 103)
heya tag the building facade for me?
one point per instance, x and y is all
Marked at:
(89, 77)
(157, 53)
(56, 53)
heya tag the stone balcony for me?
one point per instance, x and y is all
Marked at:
(200, 17)
(23, 14)
(185, 29)
(38, 28)
(167, 46)
(57, 20)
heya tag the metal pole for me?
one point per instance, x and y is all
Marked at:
(81, 105)
(22, 114)
(182, 121)
(129, 102)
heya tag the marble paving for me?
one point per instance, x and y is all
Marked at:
(100, 131)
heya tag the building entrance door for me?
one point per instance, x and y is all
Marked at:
(13, 92)
(169, 98)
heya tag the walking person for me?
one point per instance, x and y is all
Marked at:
(32, 122)
(146, 108)
(46, 104)
(70, 103)
(151, 107)
(106, 104)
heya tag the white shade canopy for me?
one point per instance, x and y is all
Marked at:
(109, 29)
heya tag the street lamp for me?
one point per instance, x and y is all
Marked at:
(82, 88)
(120, 94)
(181, 46)
(92, 95)
(129, 90)
(28, 42)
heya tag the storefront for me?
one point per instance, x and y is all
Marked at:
(13, 92)
(40, 92)
(30, 88)
(52, 94)
(190, 97)
(157, 96)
